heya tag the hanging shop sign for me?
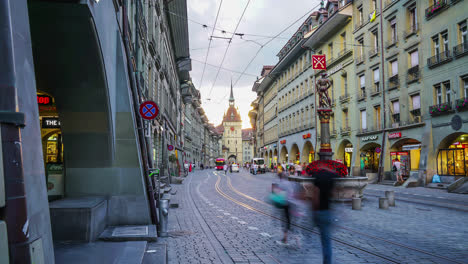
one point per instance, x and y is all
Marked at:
(368, 138)
(394, 135)
(171, 148)
(348, 149)
(305, 136)
(50, 122)
(411, 147)
(283, 141)
(149, 110)
(319, 62)
(44, 100)
(398, 153)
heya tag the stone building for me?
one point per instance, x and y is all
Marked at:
(247, 145)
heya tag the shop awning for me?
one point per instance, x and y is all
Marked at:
(410, 147)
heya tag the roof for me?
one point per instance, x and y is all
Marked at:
(247, 133)
(219, 129)
(266, 69)
(232, 115)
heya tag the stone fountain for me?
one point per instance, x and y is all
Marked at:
(347, 187)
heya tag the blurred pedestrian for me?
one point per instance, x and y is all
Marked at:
(322, 190)
(225, 168)
(397, 169)
(255, 168)
(298, 169)
(292, 170)
(283, 191)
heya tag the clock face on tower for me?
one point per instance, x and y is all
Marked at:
(232, 128)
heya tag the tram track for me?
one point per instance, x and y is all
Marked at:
(340, 241)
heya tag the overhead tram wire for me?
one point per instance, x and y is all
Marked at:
(225, 69)
(277, 35)
(227, 48)
(222, 30)
(209, 43)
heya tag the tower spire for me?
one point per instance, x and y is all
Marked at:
(231, 98)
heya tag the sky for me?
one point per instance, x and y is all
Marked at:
(262, 20)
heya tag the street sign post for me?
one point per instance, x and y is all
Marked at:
(319, 62)
(149, 110)
(378, 150)
(170, 147)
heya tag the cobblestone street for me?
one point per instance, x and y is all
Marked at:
(227, 219)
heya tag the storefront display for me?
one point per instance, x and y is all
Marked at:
(348, 155)
(453, 161)
(370, 161)
(404, 159)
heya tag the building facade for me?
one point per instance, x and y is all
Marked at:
(247, 145)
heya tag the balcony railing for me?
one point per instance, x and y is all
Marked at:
(413, 74)
(460, 50)
(438, 59)
(344, 98)
(392, 42)
(440, 109)
(362, 95)
(373, 52)
(389, 2)
(344, 52)
(416, 112)
(413, 29)
(360, 59)
(393, 82)
(376, 90)
(396, 117)
(436, 8)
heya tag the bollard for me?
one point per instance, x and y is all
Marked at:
(163, 215)
(391, 197)
(383, 203)
(356, 203)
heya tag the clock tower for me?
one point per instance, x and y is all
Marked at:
(232, 135)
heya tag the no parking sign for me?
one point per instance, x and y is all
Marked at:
(149, 110)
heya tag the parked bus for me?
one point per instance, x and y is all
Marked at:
(220, 164)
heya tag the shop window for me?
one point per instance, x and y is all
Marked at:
(453, 161)
(370, 161)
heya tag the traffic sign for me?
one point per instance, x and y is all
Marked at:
(319, 62)
(378, 150)
(170, 147)
(149, 110)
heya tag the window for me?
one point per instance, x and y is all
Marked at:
(343, 40)
(413, 18)
(377, 117)
(396, 107)
(330, 50)
(345, 84)
(447, 92)
(376, 80)
(463, 33)
(363, 120)
(414, 58)
(361, 46)
(374, 4)
(416, 101)
(393, 30)
(375, 37)
(362, 81)
(394, 68)
(435, 45)
(465, 86)
(345, 117)
(438, 94)
(361, 16)
(445, 41)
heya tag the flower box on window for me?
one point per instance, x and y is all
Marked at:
(462, 104)
(440, 109)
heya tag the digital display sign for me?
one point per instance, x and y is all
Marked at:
(50, 122)
(44, 100)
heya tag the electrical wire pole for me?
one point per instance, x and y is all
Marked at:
(382, 153)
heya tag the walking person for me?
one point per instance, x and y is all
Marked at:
(397, 169)
(321, 193)
(255, 168)
(225, 168)
(282, 193)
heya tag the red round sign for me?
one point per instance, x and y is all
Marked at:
(170, 147)
(377, 150)
(149, 110)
